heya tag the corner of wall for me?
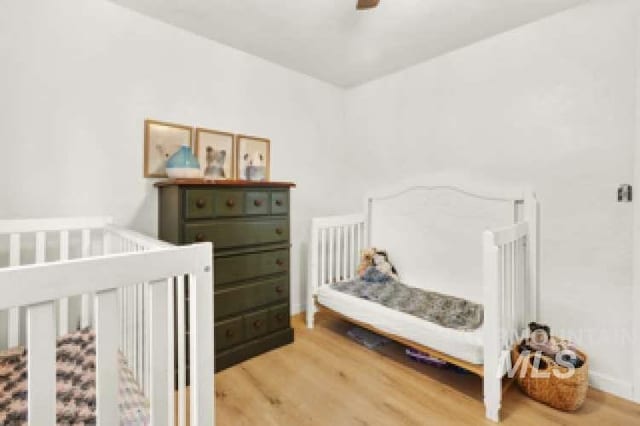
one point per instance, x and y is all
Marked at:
(636, 228)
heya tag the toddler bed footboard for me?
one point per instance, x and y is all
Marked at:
(507, 264)
(61, 275)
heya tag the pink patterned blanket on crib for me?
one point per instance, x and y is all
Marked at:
(76, 380)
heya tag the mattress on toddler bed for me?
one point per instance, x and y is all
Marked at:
(76, 380)
(464, 345)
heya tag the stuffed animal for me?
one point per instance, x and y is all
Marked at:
(375, 266)
(215, 163)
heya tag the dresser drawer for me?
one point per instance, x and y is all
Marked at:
(279, 317)
(235, 300)
(198, 204)
(256, 324)
(246, 266)
(229, 203)
(238, 233)
(257, 203)
(279, 202)
(229, 333)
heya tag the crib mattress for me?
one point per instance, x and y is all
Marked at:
(75, 387)
(465, 345)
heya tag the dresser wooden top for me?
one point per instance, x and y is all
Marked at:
(223, 183)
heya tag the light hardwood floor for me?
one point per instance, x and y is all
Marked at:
(326, 379)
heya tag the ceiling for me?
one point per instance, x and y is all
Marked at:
(330, 40)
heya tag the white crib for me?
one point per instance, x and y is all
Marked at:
(122, 285)
(454, 236)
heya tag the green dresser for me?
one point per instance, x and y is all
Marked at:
(248, 223)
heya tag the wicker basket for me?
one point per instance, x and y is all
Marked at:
(563, 393)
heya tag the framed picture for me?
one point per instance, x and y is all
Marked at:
(252, 158)
(216, 154)
(161, 141)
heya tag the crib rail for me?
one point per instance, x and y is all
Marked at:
(336, 243)
(126, 284)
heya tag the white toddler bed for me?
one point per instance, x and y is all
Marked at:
(58, 275)
(477, 242)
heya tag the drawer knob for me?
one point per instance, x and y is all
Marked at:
(257, 203)
(200, 237)
(280, 317)
(279, 289)
(279, 262)
(229, 334)
(278, 203)
(279, 231)
(200, 203)
(257, 324)
(231, 202)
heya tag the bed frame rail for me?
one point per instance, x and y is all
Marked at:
(507, 305)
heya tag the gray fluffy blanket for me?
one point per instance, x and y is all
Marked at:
(447, 311)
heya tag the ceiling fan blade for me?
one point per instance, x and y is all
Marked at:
(367, 4)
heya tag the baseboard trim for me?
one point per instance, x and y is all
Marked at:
(606, 383)
(296, 308)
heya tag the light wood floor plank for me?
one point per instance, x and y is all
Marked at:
(326, 379)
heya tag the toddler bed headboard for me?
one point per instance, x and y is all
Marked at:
(433, 232)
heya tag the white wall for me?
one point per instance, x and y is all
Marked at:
(551, 105)
(77, 80)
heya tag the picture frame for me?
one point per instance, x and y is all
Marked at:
(161, 141)
(253, 158)
(215, 151)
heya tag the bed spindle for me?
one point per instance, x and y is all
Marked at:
(331, 243)
(323, 257)
(352, 252)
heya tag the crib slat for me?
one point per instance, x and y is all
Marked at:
(131, 325)
(161, 361)
(13, 333)
(339, 249)
(86, 298)
(140, 329)
(106, 326)
(331, 248)
(147, 337)
(182, 368)
(345, 251)
(63, 304)
(201, 347)
(41, 247)
(352, 253)
(323, 257)
(134, 332)
(41, 363)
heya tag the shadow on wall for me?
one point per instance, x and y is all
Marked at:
(144, 219)
(302, 277)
